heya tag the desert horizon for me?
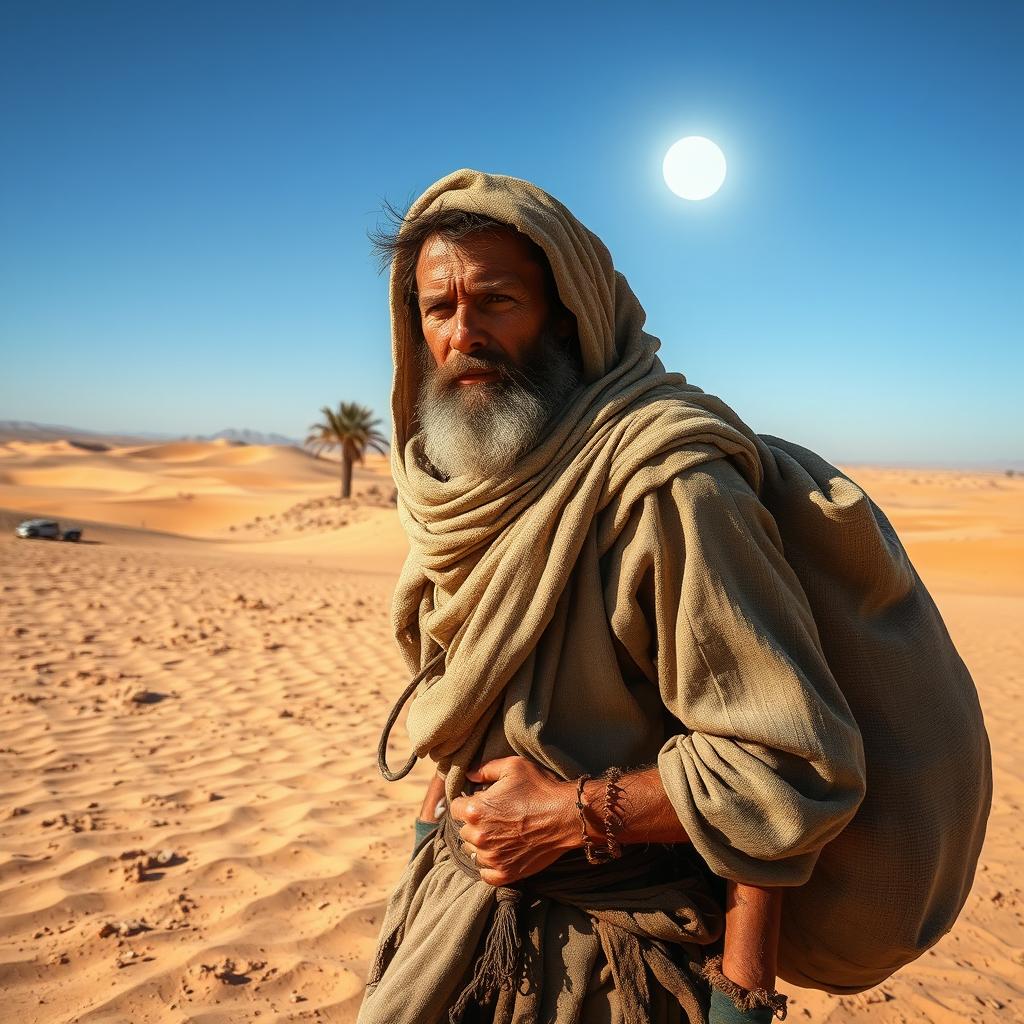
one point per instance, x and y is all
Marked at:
(191, 700)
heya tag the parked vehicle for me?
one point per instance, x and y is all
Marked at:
(48, 528)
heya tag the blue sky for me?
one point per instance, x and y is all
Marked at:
(185, 191)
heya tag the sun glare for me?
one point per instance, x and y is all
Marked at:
(694, 168)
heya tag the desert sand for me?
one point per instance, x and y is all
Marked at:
(192, 827)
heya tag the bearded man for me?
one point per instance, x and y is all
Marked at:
(639, 741)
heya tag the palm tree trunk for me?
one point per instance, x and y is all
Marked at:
(346, 474)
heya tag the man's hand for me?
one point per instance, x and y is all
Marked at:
(522, 822)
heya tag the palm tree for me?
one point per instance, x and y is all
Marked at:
(352, 428)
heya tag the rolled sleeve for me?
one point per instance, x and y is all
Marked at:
(769, 765)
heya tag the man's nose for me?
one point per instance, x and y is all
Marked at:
(466, 337)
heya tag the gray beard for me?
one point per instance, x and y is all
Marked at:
(483, 430)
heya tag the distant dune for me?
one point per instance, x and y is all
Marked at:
(959, 524)
(194, 488)
(192, 827)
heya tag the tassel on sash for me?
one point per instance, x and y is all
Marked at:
(497, 967)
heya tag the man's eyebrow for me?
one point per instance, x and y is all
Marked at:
(494, 284)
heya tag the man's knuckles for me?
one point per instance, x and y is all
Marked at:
(462, 808)
(473, 836)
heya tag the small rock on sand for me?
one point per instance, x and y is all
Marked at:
(125, 928)
(231, 972)
(147, 697)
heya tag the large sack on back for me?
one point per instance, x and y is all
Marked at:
(894, 880)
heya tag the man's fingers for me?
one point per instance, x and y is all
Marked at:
(495, 876)
(493, 770)
(463, 808)
(471, 835)
(482, 859)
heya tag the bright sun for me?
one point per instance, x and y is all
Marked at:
(694, 167)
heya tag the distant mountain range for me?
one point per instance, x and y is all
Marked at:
(24, 430)
(247, 437)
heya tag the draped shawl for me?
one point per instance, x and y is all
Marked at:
(490, 558)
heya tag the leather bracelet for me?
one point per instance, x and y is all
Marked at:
(588, 846)
(611, 820)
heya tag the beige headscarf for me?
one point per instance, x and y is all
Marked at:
(473, 582)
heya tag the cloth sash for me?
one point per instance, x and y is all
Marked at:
(650, 900)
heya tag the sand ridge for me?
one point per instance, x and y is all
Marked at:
(195, 488)
(192, 827)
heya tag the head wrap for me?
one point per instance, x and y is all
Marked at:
(490, 557)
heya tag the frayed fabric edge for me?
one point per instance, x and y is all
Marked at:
(743, 998)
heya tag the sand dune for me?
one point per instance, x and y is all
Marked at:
(192, 827)
(34, 449)
(195, 488)
(174, 451)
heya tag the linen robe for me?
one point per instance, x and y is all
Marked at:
(719, 679)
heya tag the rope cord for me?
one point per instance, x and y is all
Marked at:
(382, 746)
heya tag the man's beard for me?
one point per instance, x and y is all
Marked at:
(482, 430)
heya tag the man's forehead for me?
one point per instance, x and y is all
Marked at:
(498, 254)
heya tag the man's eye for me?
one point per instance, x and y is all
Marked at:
(499, 298)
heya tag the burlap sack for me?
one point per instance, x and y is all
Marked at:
(892, 883)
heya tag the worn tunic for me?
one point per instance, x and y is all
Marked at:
(685, 610)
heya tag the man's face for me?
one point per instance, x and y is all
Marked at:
(482, 300)
(498, 361)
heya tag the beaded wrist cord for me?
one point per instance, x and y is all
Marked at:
(611, 818)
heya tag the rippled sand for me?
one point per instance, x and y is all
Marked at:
(192, 827)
